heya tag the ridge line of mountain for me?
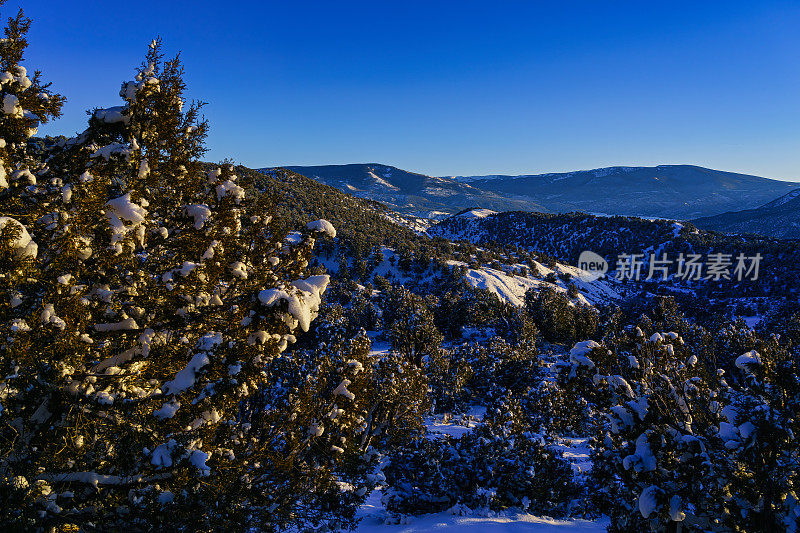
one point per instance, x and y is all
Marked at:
(681, 192)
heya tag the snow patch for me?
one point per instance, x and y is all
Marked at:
(121, 210)
(112, 115)
(200, 213)
(303, 303)
(578, 353)
(747, 360)
(477, 213)
(647, 500)
(22, 245)
(322, 226)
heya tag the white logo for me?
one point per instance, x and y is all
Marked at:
(593, 265)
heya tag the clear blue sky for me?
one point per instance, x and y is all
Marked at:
(455, 87)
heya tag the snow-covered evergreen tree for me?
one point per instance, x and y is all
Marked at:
(410, 327)
(26, 102)
(500, 465)
(160, 290)
(690, 446)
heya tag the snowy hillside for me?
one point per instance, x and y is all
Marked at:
(476, 213)
(566, 236)
(511, 288)
(779, 218)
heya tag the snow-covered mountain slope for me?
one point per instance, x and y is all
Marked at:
(666, 191)
(511, 288)
(785, 199)
(410, 193)
(561, 236)
(476, 213)
(779, 218)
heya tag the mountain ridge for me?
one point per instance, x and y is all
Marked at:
(681, 192)
(601, 171)
(409, 193)
(779, 218)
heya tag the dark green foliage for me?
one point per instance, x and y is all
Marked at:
(572, 290)
(318, 436)
(409, 325)
(422, 477)
(558, 318)
(711, 445)
(499, 465)
(159, 300)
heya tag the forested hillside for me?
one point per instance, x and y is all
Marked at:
(566, 236)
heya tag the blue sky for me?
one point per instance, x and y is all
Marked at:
(454, 87)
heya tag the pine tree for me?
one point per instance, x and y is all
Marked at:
(160, 290)
(501, 464)
(26, 102)
(317, 415)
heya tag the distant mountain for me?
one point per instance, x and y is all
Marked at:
(666, 191)
(779, 218)
(783, 200)
(410, 193)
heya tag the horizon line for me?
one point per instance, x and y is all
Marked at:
(405, 169)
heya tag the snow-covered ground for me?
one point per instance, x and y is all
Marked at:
(447, 523)
(457, 426)
(477, 213)
(752, 321)
(512, 288)
(379, 346)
